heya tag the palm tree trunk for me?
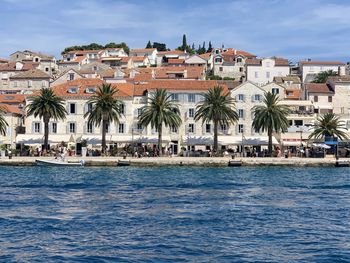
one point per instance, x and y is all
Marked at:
(46, 134)
(104, 123)
(160, 140)
(215, 148)
(269, 133)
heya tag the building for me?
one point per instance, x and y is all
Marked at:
(309, 69)
(29, 81)
(67, 75)
(163, 57)
(150, 53)
(321, 95)
(263, 71)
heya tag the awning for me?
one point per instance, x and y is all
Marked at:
(247, 140)
(198, 140)
(39, 138)
(293, 143)
(151, 139)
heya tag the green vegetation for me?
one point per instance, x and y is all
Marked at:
(157, 45)
(46, 106)
(217, 107)
(270, 117)
(323, 76)
(329, 125)
(106, 108)
(216, 77)
(94, 46)
(160, 109)
(3, 123)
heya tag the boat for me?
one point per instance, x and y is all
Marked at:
(58, 162)
(233, 163)
(123, 163)
(342, 163)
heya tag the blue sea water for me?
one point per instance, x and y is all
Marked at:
(183, 214)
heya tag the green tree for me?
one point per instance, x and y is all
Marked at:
(149, 45)
(106, 108)
(46, 106)
(328, 125)
(323, 76)
(159, 46)
(111, 45)
(160, 109)
(184, 42)
(210, 48)
(3, 123)
(217, 107)
(270, 117)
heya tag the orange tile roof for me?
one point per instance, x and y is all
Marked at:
(142, 50)
(125, 59)
(12, 98)
(170, 52)
(318, 88)
(83, 52)
(176, 61)
(190, 85)
(138, 59)
(2, 60)
(11, 109)
(62, 90)
(31, 74)
(331, 63)
(234, 52)
(296, 94)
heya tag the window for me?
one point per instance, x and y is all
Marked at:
(221, 69)
(174, 97)
(239, 60)
(107, 127)
(54, 127)
(241, 113)
(121, 128)
(90, 90)
(71, 127)
(223, 128)
(240, 97)
(139, 112)
(173, 129)
(72, 108)
(268, 74)
(15, 84)
(191, 97)
(275, 90)
(298, 122)
(89, 128)
(241, 69)
(191, 128)
(256, 74)
(43, 83)
(329, 98)
(257, 97)
(122, 108)
(218, 60)
(139, 127)
(191, 113)
(30, 83)
(71, 76)
(36, 127)
(46, 69)
(240, 128)
(73, 90)
(315, 98)
(207, 128)
(89, 107)
(290, 122)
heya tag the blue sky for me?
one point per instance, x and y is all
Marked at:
(298, 29)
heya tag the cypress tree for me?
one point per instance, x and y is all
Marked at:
(184, 42)
(149, 45)
(210, 48)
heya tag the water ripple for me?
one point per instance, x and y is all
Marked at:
(185, 214)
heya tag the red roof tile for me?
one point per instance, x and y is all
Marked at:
(318, 88)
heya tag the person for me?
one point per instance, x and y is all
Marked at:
(170, 152)
(9, 153)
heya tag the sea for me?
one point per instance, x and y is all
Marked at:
(174, 214)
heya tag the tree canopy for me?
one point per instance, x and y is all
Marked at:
(95, 46)
(323, 76)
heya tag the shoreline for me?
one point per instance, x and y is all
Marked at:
(183, 161)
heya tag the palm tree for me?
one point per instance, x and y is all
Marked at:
(328, 125)
(46, 106)
(270, 117)
(217, 107)
(106, 108)
(160, 110)
(3, 123)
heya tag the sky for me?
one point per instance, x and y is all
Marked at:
(294, 29)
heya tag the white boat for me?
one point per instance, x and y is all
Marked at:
(58, 162)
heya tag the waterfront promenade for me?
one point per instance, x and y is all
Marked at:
(180, 161)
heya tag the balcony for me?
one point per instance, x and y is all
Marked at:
(304, 129)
